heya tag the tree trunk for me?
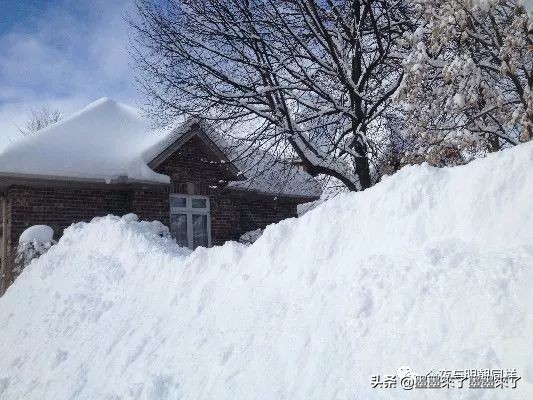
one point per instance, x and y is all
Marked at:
(362, 169)
(493, 144)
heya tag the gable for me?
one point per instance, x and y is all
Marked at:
(201, 150)
(194, 161)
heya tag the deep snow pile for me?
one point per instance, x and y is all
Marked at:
(431, 269)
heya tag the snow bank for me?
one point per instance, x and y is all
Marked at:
(432, 268)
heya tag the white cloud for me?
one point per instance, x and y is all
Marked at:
(14, 114)
(73, 54)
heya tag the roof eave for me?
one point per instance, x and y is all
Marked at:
(293, 197)
(20, 179)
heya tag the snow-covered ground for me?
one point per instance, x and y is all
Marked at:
(431, 268)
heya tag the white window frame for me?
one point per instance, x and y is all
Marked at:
(189, 211)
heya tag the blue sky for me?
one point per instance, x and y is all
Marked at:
(63, 54)
(17, 12)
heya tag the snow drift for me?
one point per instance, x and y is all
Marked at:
(432, 268)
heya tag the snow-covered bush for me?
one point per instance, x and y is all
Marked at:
(33, 242)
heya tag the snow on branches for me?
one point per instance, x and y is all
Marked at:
(469, 75)
(345, 88)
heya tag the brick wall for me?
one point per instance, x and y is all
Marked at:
(151, 205)
(59, 207)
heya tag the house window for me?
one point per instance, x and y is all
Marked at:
(190, 222)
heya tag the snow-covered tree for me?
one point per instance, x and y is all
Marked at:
(40, 119)
(469, 76)
(299, 78)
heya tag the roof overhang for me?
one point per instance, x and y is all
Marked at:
(257, 194)
(32, 180)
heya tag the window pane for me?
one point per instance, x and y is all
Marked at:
(178, 228)
(178, 202)
(199, 231)
(199, 203)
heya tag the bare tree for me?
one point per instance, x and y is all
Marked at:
(306, 78)
(40, 119)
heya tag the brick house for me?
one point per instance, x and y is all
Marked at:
(106, 160)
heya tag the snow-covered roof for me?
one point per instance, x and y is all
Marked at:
(112, 142)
